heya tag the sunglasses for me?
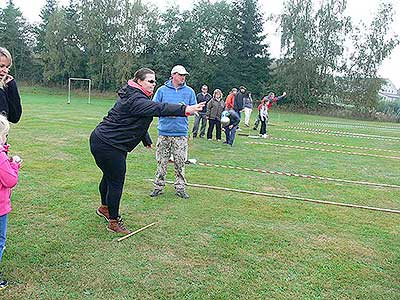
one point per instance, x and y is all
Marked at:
(152, 81)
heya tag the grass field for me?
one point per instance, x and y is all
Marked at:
(216, 245)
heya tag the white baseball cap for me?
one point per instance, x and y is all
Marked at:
(179, 69)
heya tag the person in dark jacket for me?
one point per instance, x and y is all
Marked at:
(123, 128)
(204, 96)
(231, 126)
(215, 107)
(238, 104)
(10, 101)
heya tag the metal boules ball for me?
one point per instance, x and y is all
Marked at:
(225, 121)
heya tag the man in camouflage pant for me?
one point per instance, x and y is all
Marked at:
(173, 132)
(177, 147)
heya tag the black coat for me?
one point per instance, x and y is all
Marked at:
(238, 103)
(10, 102)
(200, 98)
(126, 124)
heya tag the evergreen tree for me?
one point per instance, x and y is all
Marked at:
(247, 54)
(15, 36)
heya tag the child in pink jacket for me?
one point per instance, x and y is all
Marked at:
(8, 179)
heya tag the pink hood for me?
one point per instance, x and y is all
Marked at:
(8, 179)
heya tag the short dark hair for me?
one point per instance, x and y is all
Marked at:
(141, 74)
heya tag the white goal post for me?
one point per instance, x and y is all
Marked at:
(79, 79)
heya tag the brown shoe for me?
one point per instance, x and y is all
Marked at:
(102, 211)
(117, 226)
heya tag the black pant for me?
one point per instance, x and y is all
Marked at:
(112, 162)
(211, 124)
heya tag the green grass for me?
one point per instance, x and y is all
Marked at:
(217, 245)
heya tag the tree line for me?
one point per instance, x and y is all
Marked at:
(325, 57)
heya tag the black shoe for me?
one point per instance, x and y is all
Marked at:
(3, 284)
(182, 194)
(156, 193)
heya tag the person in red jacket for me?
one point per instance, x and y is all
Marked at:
(270, 98)
(229, 101)
(8, 179)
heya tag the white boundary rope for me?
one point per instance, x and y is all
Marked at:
(290, 197)
(324, 150)
(300, 175)
(331, 134)
(327, 144)
(358, 124)
(338, 125)
(346, 133)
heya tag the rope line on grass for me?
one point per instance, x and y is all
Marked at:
(388, 210)
(331, 134)
(358, 124)
(346, 133)
(299, 175)
(324, 150)
(328, 144)
(338, 125)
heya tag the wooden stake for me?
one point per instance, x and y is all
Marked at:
(133, 233)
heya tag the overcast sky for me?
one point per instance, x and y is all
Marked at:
(357, 9)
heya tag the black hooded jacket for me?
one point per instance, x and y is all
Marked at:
(126, 124)
(10, 102)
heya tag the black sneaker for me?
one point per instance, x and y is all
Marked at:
(182, 194)
(3, 284)
(156, 193)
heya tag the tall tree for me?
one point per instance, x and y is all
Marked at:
(247, 52)
(64, 52)
(15, 36)
(371, 44)
(101, 25)
(298, 68)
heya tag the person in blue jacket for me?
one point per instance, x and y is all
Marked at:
(173, 132)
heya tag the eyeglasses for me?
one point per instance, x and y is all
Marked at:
(151, 81)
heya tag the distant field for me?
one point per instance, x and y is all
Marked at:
(218, 244)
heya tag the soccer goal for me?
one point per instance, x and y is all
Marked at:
(78, 79)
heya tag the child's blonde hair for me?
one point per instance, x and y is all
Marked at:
(4, 126)
(4, 52)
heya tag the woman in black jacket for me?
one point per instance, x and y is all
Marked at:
(123, 128)
(10, 102)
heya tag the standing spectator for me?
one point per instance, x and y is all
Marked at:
(9, 168)
(119, 132)
(248, 107)
(230, 99)
(238, 104)
(230, 126)
(204, 96)
(10, 102)
(173, 132)
(215, 108)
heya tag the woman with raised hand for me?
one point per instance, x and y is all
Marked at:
(123, 128)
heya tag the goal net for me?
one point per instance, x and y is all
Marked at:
(89, 81)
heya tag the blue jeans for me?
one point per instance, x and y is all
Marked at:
(3, 231)
(230, 134)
